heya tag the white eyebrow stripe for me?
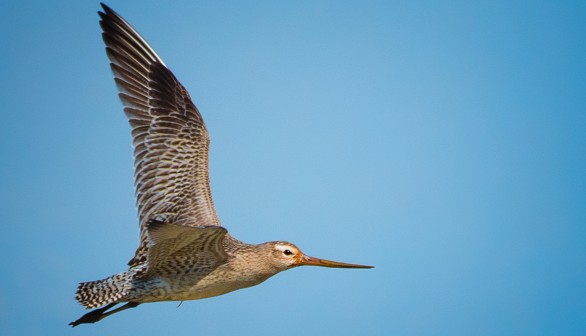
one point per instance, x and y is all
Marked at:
(283, 247)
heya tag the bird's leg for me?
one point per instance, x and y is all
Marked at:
(93, 316)
(100, 314)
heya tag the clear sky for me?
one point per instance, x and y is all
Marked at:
(443, 142)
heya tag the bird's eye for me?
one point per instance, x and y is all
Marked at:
(288, 252)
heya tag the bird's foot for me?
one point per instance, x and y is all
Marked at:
(101, 313)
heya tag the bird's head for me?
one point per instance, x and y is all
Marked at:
(285, 255)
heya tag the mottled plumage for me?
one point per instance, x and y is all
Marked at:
(184, 253)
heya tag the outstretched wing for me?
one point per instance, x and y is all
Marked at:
(170, 139)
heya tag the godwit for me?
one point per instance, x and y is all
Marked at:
(184, 252)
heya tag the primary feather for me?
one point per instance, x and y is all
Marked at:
(171, 142)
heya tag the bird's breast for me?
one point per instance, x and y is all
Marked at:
(221, 281)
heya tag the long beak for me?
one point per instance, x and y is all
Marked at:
(311, 261)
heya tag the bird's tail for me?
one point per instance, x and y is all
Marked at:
(101, 292)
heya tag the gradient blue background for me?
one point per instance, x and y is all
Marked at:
(442, 142)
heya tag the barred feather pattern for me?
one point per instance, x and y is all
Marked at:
(97, 293)
(170, 139)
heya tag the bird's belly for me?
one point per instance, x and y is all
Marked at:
(174, 290)
(206, 290)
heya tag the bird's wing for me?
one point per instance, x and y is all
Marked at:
(170, 139)
(177, 249)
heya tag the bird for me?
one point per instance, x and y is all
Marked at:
(184, 252)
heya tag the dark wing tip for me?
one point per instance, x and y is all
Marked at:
(120, 37)
(107, 11)
(106, 8)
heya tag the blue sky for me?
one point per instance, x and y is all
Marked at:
(442, 142)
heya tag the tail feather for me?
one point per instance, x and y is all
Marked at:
(101, 292)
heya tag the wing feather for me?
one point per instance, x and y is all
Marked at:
(175, 249)
(170, 140)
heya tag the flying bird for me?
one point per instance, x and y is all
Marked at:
(184, 253)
